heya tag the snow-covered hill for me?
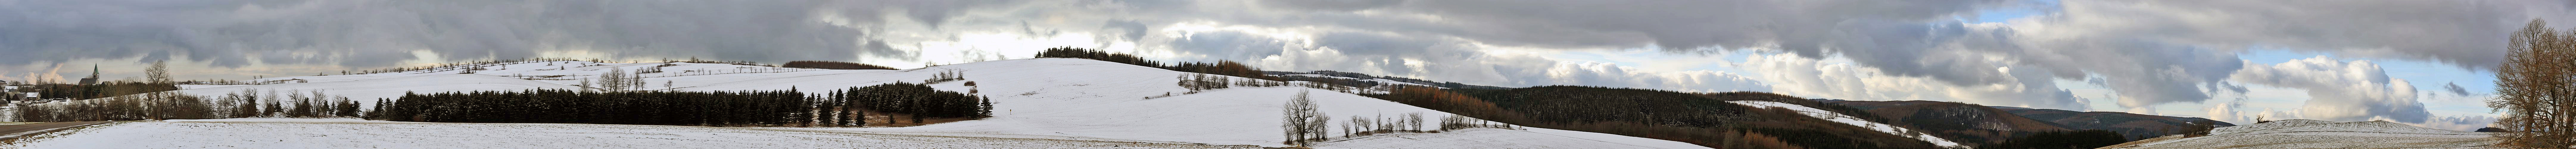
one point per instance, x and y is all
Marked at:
(1045, 98)
(2302, 133)
(1482, 138)
(353, 133)
(1854, 121)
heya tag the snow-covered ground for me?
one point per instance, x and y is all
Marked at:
(1045, 98)
(2302, 133)
(1847, 119)
(353, 133)
(1476, 138)
(1096, 99)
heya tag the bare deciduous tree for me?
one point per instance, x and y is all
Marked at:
(158, 73)
(2533, 90)
(1301, 122)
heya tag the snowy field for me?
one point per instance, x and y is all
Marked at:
(2302, 133)
(1478, 138)
(352, 133)
(1045, 98)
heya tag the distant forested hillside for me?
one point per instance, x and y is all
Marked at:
(1704, 119)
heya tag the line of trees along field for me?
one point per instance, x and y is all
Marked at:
(892, 104)
(2063, 139)
(1227, 68)
(156, 79)
(169, 105)
(1303, 124)
(833, 65)
(779, 108)
(146, 100)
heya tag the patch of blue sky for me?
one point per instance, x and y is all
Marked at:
(2018, 10)
(2426, 75)
(2428, 78)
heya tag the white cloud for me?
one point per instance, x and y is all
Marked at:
(2227, 111)
(2282, 114)
(1800, 76)
(2341, 90)
(2148, 53)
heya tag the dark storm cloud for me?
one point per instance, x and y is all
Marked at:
(1375, 44)
(1130, 30)
(2151, 52)
(1228, 45)
(379, 33)
(2454, 89)
(1341, 5)
(2147, 52)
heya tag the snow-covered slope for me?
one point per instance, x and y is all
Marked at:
(1045, 98)
(2302, 133)
(353, 133)
(1476, 138)
(1087, 98)
(1854, 121)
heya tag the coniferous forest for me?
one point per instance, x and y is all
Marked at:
(1700, 118)
(777, 108)
(1227, 68)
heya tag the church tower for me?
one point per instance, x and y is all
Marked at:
(93, 76)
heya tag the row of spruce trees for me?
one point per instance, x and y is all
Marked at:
(777, 108)
(173, 105)
(1227, 68)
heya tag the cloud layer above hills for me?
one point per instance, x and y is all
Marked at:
(2043, 54)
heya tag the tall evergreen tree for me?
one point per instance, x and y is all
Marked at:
(986, 108)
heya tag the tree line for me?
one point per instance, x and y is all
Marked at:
(173, 105)
(1698, 118)
(2081, 139)
(1356, 77)
(776, 108)
(1303, 122)
(832, 65)
(156, 79)
(1228, 68)
(150, 99)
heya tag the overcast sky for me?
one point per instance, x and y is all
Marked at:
(2423, 62)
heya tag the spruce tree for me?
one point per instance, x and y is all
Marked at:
(348, 108)
(274, 106)
(986, 108)
(249, 102)
(378, 112)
